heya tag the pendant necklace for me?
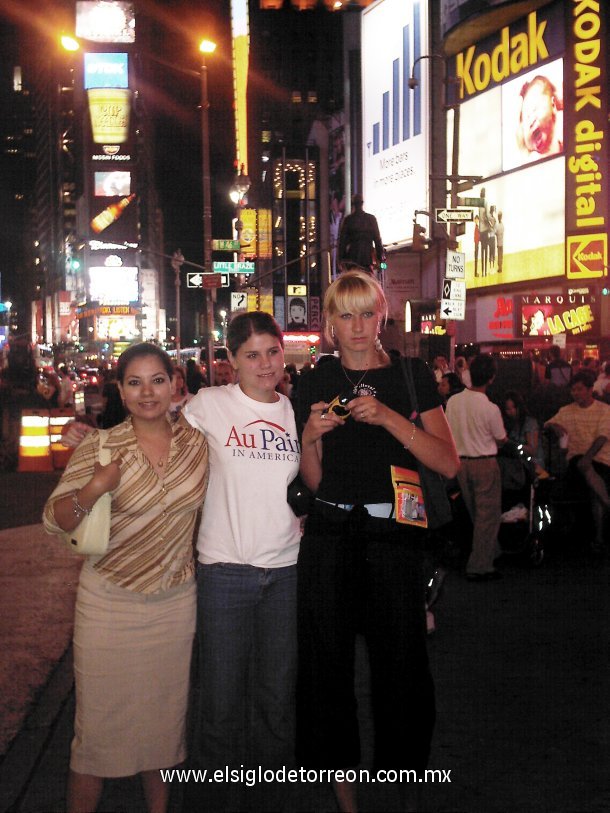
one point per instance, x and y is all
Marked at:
(357, 384)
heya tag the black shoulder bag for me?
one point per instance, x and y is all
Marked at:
(438, 508)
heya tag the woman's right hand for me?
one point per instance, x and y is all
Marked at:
(319, 423)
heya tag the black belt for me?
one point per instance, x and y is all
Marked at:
(479, 457)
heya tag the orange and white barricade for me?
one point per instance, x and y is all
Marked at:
(35, 441)
(59, 453)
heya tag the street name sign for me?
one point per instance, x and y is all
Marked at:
(453, 309)
(456, 265)
(231, 267)
(476, 202)
(453, 215)
(194, 279)
(225, 245)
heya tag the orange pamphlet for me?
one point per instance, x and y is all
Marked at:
(409, 505)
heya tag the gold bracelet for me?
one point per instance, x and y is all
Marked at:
(408, 446)
(77, 507)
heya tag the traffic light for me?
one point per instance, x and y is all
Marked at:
(419, 240)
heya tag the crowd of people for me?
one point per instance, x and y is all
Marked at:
(274, 601)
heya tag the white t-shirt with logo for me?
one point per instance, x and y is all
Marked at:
(254, 455)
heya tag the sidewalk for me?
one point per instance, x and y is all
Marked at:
(521, 669)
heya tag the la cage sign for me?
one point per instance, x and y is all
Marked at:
(554, 314)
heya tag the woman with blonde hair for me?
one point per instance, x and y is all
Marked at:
(359, 565)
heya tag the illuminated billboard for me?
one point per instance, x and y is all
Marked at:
(109, 110)
(116, 285)
(105, 21)
(109, 184)
(555, 314)
(532, 122)
(106, 71)
(241, 57)
(395, 164)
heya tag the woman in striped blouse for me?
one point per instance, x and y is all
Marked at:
(136, 604)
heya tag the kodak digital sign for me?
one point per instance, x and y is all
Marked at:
(532, 124)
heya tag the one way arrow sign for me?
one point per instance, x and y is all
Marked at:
(194, 280)
(453, 215)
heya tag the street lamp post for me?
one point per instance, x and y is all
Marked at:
(207, 47)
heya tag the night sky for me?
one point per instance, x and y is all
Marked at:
(172, 100)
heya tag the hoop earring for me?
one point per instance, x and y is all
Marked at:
(378, 345)
(332, 331)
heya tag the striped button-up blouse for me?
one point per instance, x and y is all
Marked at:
(152, 518)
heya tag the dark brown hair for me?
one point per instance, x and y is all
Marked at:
(243, 325)
(140, 350)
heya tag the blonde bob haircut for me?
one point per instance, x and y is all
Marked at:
(353, 292)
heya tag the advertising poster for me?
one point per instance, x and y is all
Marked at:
(106, 70)
(513, 134)
(296, 313)
(532, 124)
(103, 21)
(587, 156)
(395, 162)
(113, 285)
(557, 314)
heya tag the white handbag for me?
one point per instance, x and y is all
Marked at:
(92, 534)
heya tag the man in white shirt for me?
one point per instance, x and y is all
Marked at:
(586, 422)
(477, 428)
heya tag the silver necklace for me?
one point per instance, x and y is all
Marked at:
(357, 384)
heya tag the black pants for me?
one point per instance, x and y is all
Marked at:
(358, 574)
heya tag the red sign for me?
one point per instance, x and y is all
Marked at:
(212, 280)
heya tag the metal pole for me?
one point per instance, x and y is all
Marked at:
(177, 261)
(207, 219)
(178, 324)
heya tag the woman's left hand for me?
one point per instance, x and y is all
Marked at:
(367, 409)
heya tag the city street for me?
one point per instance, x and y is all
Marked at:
(521, 669)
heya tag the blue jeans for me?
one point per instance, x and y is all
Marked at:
(247, 660)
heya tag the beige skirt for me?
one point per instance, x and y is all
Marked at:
(132, 655)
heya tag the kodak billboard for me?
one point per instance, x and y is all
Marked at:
(533, 121)
(587, 185)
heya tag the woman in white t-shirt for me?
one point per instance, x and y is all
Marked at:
(181, 395)
(247, 550)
